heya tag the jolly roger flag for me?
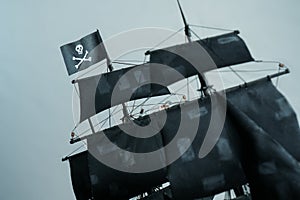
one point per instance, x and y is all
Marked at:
(83, 53)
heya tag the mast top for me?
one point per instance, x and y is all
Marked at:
(186, 26)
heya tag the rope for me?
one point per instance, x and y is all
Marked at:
(195, 34)
(267, 61)
(237, 74)
(173, 94)
(172, 35)
(75, 150)
(209, 27)
(246, 70)
(126, 61)
(123, 63)
(88, 71)
(277, 79)
(281, 66)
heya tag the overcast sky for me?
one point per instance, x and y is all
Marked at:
(36, 94)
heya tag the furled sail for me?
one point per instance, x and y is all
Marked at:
(189, 172)
(224, 50)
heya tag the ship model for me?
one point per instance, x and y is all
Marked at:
(242, 140)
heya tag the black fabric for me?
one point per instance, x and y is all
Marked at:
(228, 49)
(96, 92)
(80, 175)
(91, 43)
(109, 80)
(219, 171)
(269, 109)
(108, 183)
(271, 171)
(224, 50)
(222, 168)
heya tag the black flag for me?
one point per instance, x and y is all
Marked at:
(83, 53)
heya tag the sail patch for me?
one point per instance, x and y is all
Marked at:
(227, 40)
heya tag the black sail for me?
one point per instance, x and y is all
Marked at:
(269, 109)
(225, 50)
(219, 171)
(262, 103)
(271, 171)
(96, 91)
(80, 175)
(109, 183)
(187, 59)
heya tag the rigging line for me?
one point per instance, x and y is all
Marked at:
(151, 104)
(104, 121)
(237, 74)
(133, 109)
(145, 57)
(195, 34)
(75, 150)
(141, 104)
(123, 63)
(97, 123)
(88, 71)
(172, 35)
(78, 136)
(277, 79)
(109, 113)
(125, 60)
(245, 70)
(172, 103)
(173, 94)
(209, 27)
(267, 61)
(77, 92)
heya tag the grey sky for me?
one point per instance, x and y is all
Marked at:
(36, 93)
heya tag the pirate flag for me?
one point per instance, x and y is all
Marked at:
(83, 53)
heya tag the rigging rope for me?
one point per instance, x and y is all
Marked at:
(172, 35)
(88, 71)
(280, 66)
(75, 150)
(237, 74)
(195, 34)
(212, 28)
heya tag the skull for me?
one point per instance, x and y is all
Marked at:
(79, 49)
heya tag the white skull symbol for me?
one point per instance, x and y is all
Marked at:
(79, 49)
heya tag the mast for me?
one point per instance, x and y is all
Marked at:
(124, 108)
(188, 34)
(187, 29)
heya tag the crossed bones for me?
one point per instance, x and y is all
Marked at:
(81, 60)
